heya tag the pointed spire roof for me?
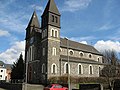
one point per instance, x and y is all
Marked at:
(51, 7)
(34, 21)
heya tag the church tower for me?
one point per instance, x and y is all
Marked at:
(32, 55)
(50, 40)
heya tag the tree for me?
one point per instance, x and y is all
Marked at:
(110, 71)
(18, 69)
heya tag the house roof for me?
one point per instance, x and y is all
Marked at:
(78, 46)
(51, 7)
(7, 66)
(1, 63)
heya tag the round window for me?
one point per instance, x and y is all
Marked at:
(81, 54)
(71, 52)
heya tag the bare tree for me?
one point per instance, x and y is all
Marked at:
(110, 71)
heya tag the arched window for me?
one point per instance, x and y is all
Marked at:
(54, 51)
(67, 68)
(30, 53)
(33, 51)
(80, 69)
(45, 32)
(43, 51)
(43, 68)
(99, 70)
(54, 68)
(90, 69)
(56, 34)
(52, 33)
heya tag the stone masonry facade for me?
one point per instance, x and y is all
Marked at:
(47, 55)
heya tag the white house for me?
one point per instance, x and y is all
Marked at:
(3, 73)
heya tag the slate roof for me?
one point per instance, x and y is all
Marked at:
(7, 66)
(79, 60)
(51, 7)
(1, 63)
(34, 21)
(78, 46)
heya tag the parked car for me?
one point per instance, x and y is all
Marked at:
(55, 87)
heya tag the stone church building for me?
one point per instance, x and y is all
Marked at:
(48, 55)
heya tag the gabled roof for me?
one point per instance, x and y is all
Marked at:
(34, 21)
(78, 46)
(51, 7)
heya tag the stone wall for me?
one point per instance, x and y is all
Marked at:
(85, 55)
(9, 86)
(74, 69)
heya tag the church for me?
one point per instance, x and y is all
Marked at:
(48, 55)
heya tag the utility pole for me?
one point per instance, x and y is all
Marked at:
(68, 64)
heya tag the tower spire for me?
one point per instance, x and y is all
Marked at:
(34, 21)
(51, 7)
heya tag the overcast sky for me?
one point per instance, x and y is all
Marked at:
(93, 22)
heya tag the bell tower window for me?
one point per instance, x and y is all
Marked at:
(55, 33)
(56, 19)
(52, 18)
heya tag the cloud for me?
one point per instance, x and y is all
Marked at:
(108, 26)
(84, 42)
(12, 54)
(74, 5)
(13, 19)
(5, 3)
(4, 33)
(79, 39)
(105, 27)
(40, 8)
(107, 45)
(12, 22)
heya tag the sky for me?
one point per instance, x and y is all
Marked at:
(92, 22)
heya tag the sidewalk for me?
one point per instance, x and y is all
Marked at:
(2, 89)
(32, 87)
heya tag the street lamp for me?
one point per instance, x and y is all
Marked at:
(68, 62)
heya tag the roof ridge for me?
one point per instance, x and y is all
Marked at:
(78, 42)
(80, 46)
